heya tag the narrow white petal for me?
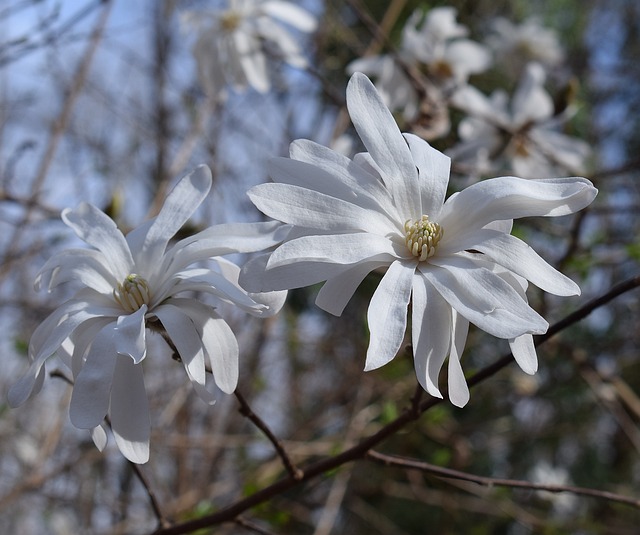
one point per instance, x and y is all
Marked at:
(387, 314)
(98, 230)
(188, 342)
(513, 254)
(92, 388)
(483, 298)
(335, 249)
(99, 437)
(150, 242)
(310, 209)
(338, 290)
(382, 138)
(85, 267)
(458, 388)
(130, 335)
(430, 333)
(511, 198)
(433, 169)
(524, 351)
(130, 411)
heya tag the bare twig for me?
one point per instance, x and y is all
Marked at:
(439, 471)
(246, 411)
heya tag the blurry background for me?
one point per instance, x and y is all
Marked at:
(100, 101)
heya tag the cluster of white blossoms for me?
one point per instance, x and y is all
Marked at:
(235, 45)
(451, 261)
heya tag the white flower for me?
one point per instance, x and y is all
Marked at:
(515, 45)
(452, 261)
(234, 44)
(131, 283)
(521, 134)
(436, 46)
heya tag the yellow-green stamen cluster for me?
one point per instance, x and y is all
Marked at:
(230, 20)
(132, 293)
(422, 237)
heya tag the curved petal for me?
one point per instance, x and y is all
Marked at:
(84, 266)
(433, 170)
(430, 333)
(515, 255)
(149, 243)
(187, 341)
(335, 249)
(130, 411)
(458, 388)
(387, 314)
(310, 209)
(511, 198)
(382, 138)
(98, 230)
(483, 298)
(218, 340)
(92, 389)
(130, 335)
(524, 351)
(99, 437)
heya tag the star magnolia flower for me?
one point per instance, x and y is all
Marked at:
(452, 261)
(522, 134)
(437, 46)
(234, 44)
(130, 283)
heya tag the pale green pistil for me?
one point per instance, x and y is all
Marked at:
(132, 293)
(422, 237)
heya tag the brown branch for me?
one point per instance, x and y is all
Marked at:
(246, 411)
(448, 473)
(360, 450)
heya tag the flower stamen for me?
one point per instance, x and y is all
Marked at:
(230, 20)
(132, 293)
(422, 237)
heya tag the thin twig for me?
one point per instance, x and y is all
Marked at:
(361, 449)
(439, 471)
(251, 526)
(246, 411)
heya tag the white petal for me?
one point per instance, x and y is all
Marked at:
(187, 341)
(252, 60)
(531, 103)
(150, 241)
(433, 169)
(98, 230)
(511, 198)
(430, 333)
(458, 388)
(291, 14)
(382, 138)
(92, 388)
(130, 335)
(524, 351)
(130, 411)
(335, 249)
(387, 314)
(515, 255)
(338, 290)
(310, 209)
(483, 298)
(99, 437)
(84, 266)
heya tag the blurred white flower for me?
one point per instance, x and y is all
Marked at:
(131, 283)
(436, 46)
(521, 136)
(452, 261)
(516, 45)
(234, 44)
(544, 473)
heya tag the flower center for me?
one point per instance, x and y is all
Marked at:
(422, 237)
(230, 20)
(132, 293)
